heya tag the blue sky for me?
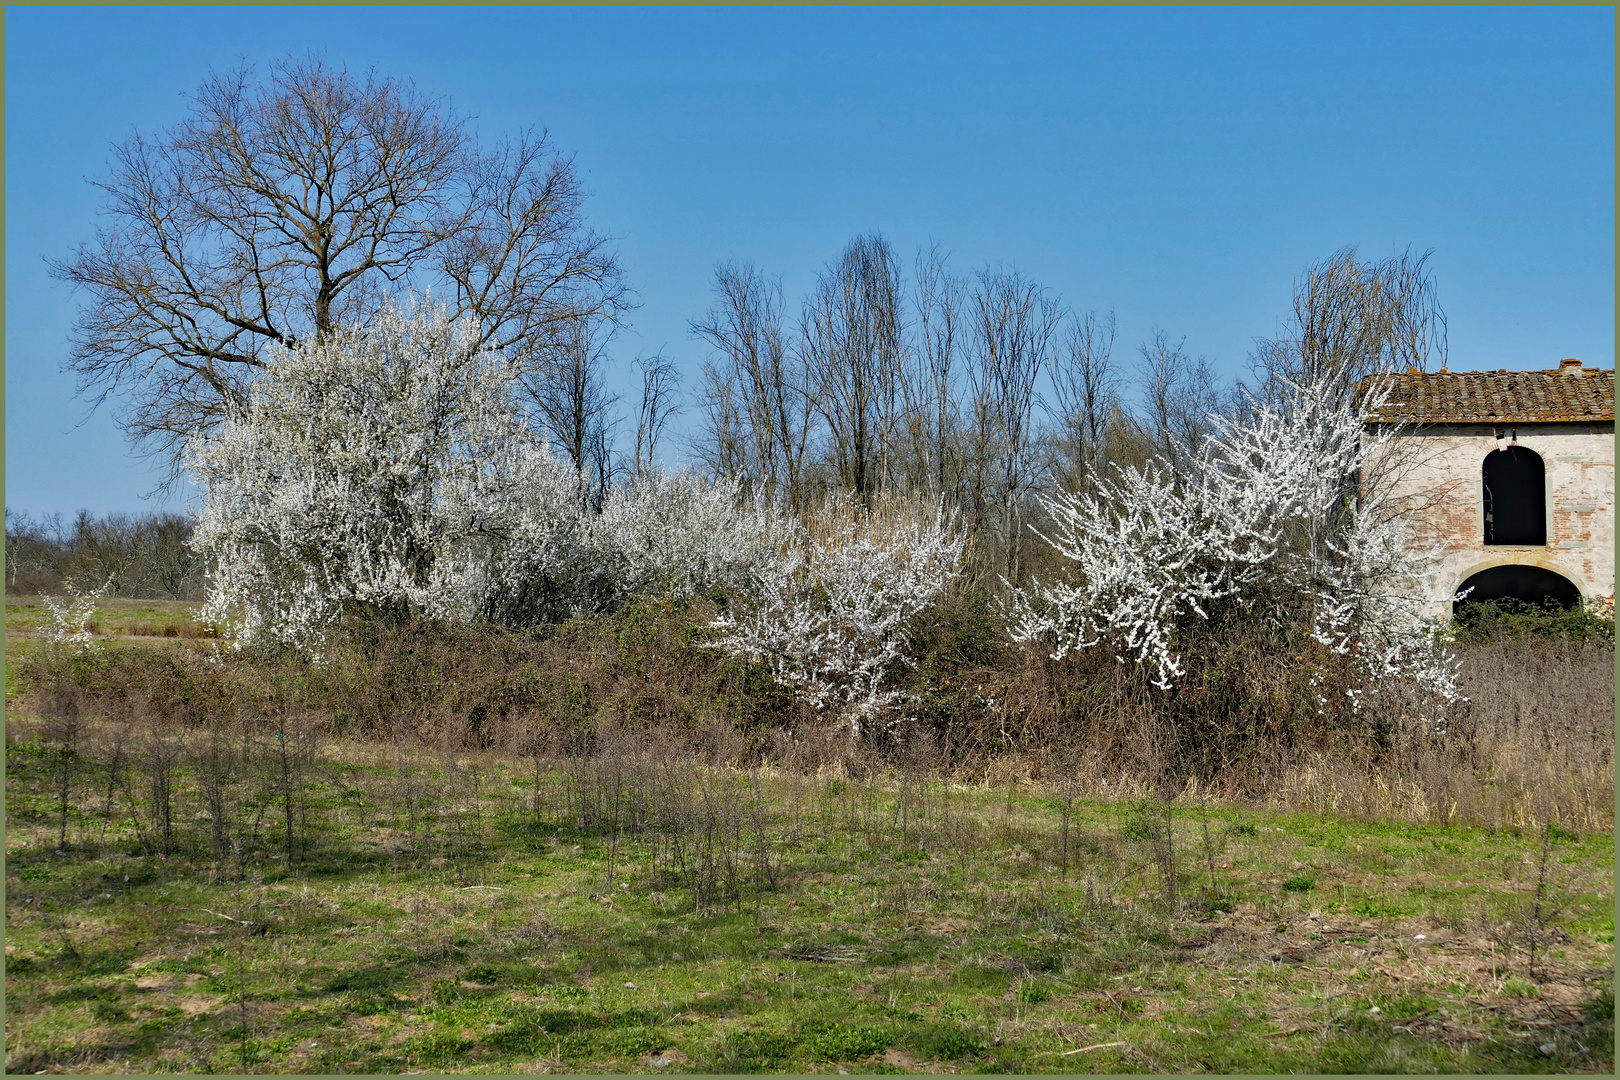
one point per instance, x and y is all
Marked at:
(1177, 165)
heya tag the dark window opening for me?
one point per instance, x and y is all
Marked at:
(1522, 584)
(1515, 497)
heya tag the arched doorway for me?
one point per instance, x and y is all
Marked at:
(1515, 497)
(1525, 584)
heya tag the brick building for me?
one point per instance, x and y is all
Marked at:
(1511, 475)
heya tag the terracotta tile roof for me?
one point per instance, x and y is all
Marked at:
(1569, 393)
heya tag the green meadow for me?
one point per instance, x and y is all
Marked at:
(313, 905)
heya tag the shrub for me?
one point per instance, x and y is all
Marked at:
(385, 473)
(389, 475)
(1488, 620)
(1268, 525)
(831, 616)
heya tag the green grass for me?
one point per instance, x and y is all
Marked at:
(117, 624)
(26, 613)
(443, 915)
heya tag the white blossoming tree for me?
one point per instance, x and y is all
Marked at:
(1278, 500)
(677, 534)
(389, 474)
(385, 472)
(830, 614)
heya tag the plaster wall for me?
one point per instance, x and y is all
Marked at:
(1437, 474)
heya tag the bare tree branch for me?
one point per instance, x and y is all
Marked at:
(759, 401)
(851, 334)
(660, 394)
(1014, 324)
(573, 406)
(281, 210)
(1352, 319)
(1084, 396)
(928, 378)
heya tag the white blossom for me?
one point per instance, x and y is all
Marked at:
(678, 534)
(1145, 553)
(1366, 587)
(830, 614)
(70, 622)
(389, 472)
(1275, 498)
(386, 470)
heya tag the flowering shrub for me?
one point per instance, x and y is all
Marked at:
(385, 472)
(830, 613)
(388, 473)
(1273, 501)
(70, 622)
(678, 535)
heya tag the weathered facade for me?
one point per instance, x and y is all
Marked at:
(1509, 475)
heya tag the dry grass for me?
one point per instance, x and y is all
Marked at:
(261, 895)
(115, 617)
(1533, 744)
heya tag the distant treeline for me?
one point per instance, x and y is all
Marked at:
(145, 556)
(985, 391)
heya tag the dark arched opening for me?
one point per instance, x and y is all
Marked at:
(1515, 497)
(1520, 584)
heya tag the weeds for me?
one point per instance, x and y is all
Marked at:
(1533, 924)
(981, 710)
(459, 850)
(62, 733)
(639, 902)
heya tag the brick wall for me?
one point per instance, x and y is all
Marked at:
(1436, 472)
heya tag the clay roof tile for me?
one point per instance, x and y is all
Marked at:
(1567, 394)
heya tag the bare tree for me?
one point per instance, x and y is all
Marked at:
(35, 551)
(660, 399)
(173, 564)
(723, 444)
(145, 555)
(758, 404)
(1180, 396)
(280, 210)
(1159, 370)
(928, 382)
(108, 552)
(1352, 319)
(572, 405)
(1014, 324)
(1084, 397)
(851, 335)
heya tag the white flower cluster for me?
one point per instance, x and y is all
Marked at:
(70, 622)
(830, 614)
(1274, 499)
(390, 472)
(679, 534)
(1146, 551)
(1366, 608)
